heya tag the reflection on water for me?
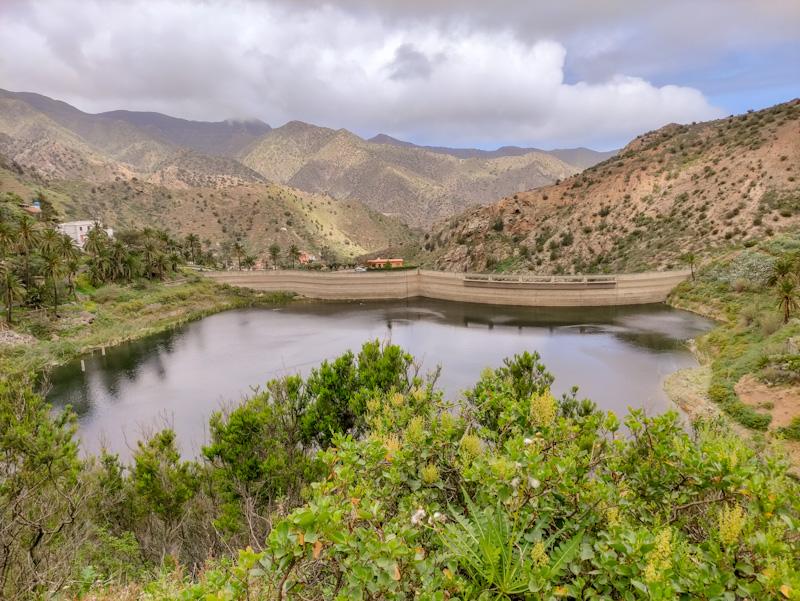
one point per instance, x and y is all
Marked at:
(617, 356)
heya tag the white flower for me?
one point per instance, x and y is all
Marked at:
(515, 482)
(439, 517)
(528, 441)
(534, 483)
(418, 516)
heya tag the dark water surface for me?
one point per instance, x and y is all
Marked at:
(617, 356)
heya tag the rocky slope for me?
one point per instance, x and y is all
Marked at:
(678, 189)
(417, 184)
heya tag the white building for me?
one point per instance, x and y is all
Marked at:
(78, 230)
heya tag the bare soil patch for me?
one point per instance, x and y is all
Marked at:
(783, 402)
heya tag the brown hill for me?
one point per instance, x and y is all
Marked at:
(680, 188)
(259, 214)
(414, 183)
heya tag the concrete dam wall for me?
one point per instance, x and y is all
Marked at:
(493, 289)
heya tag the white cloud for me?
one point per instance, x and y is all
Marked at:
(453, 82)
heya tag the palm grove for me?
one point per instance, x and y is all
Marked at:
(39, 265)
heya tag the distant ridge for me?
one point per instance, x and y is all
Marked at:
(579, 157)
(222, 138)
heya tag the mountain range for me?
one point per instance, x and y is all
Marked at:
(419, 185)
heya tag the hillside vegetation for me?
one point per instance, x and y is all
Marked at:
(753, 356)
(683, 188)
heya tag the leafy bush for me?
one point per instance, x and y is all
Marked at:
(545, 503)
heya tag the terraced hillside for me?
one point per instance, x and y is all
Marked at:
(681, 188)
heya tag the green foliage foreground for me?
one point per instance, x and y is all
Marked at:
(511, 494)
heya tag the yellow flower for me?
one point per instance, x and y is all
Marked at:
(415, 431)
(539, 555)
(543, 408)
(612, 516)
(430, 474)
(503, 468)
(471, 445)
(446, 422)
(397, 399)
(418, 394)
(392, 445)
(660, 558)
(373, 405)
(731, 523)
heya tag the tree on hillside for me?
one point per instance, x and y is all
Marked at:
(27, 237)
(274, 253)
(781, 269)
(53, 269)
(193, 246)
(248, 262)
(96, 240)
(11, 287)
(7, 237)
(238, 250)
(787, 298)
(294, 254)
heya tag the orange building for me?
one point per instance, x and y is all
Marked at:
(382, 263)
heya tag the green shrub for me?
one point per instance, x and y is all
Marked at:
(792, 431)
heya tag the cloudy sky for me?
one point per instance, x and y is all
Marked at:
(451, 72)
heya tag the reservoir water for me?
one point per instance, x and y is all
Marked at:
(617, 356)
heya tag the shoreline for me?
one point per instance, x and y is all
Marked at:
(38, 358)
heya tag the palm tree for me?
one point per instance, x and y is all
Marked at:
(119, 261)
(71, 266)
(690, 259)
(53, 268)
(781, 269)
(249, 261)
(96, 240)
(787, 298)
(174, 259)
(193, 246)
(238, 250)
(294, 253)
(12, 289)
(151, 255)
(27, 238)
(50, 240)
(7, 237)
(274, 253)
